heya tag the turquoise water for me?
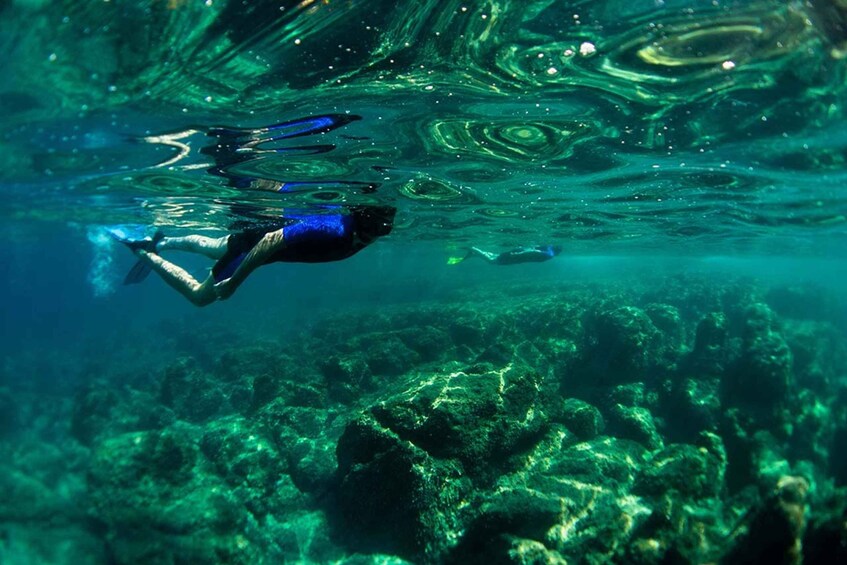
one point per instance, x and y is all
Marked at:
(612, 126)
(668, 389)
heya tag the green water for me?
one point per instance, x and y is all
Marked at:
(612, 126)
(670, 389)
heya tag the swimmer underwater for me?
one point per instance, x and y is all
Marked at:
(537, 254)
(306, 238)
(318, 234)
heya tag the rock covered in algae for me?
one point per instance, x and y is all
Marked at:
(692, 472)
(430, 343)
(506, 525)
(99, 412)
(479, 415)
(581, 418)
(92, 413)
(691, 405)
(504, 434)
(762, 377)
(191, 393)
(775, 530)
(818, 351)
(624, 345)
(404, 467)
(395, 497)
(711, 348)
(347, 377)
(145, 483)
(635, 423)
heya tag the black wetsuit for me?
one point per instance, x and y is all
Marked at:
(312, 238)
(527, 255)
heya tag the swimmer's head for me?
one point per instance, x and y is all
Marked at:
(374, 221)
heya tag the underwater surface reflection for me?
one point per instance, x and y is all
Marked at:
(577, 296)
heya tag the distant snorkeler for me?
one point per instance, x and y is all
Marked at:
(537, 254)
(329, 235)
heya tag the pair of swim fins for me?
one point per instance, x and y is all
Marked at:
(135, 238)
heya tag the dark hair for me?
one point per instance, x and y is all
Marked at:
(373, 221)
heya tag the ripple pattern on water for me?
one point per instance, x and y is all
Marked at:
(500, 121)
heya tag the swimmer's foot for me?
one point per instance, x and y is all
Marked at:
(147, 244)
(135, 241)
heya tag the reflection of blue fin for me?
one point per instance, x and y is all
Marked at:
(138, 272)
(286, 130)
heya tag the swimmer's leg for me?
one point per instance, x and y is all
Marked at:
(212, 247)
(200, 294)
(487, 255)
(269, 244)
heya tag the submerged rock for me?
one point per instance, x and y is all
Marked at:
(265, 389)
(403, 466)
(692, 405)
(153, 506)
(838, 456)
(480, 416)
(192, 394)
(387, 355)
(711, 352)
(507, 525)
(467, 433)
(347, 377)
(634, 423)
(694, 473)
(312, 466)
(624, 345)
(429, 342)
(582, 419)
(775, 530)
(469, 331)
(92, 413)
(245, 459)
(819, 353)
(531, 552)
(762, 377)
(393, 496)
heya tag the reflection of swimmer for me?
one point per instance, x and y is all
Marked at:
(233, 147)
(535, 254)
(330, 235)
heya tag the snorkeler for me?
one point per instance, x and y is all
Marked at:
(537, 254)
(332, 235)
(319, 234)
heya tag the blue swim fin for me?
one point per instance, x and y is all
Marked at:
(135, 237)
(286, 130)
(138, 272)
(127, 232)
